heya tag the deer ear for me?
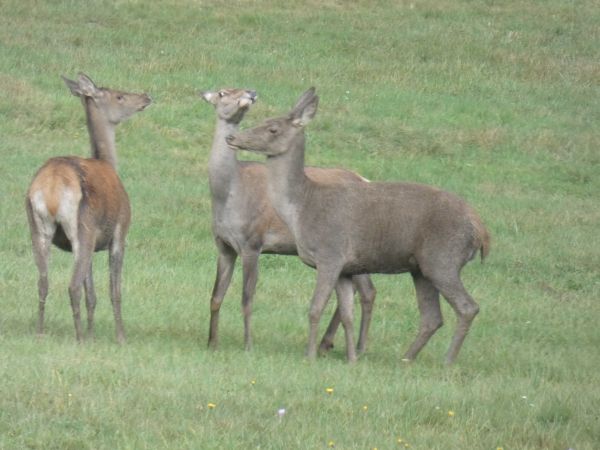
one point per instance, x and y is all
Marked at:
(302, 101)
(307, 113)
(87, 86)
(208, 96)
(73, 86)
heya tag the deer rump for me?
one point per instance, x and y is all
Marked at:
(83, 191)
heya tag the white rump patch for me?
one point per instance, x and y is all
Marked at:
(38, 202)
(42, 217)
(67, 215)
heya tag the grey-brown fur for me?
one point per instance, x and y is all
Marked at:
(350, 229)
(81, 206)
(245, 224)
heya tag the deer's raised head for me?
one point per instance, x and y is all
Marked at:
(116, 106)
(275, 136)
(230, 104)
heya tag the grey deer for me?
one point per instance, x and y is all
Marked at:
(244, 222)
(348, 229)
(80, 204)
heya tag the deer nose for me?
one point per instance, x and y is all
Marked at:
(253, 95)
(146, 101)
(231, 142)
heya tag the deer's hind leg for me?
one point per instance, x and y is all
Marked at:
(465, 308)
(428, 300)
(90, 300)
(41, 240)
(83, 248)
(116, 253)
(451, 287)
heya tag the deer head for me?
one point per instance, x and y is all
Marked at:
(230, 104)
(275, 136)
(115, 106)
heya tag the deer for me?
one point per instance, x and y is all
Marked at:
(245, 224)
(80, 204)
(343, 230)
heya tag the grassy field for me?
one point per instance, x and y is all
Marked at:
(497, 101)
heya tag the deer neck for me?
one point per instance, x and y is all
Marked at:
(222, 164)
(102, 134)
(288, 183)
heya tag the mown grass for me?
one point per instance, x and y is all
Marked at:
(496, 101)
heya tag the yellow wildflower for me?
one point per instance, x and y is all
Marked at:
(450, 413)
(329, 390)
(331, 444)
(211, 406)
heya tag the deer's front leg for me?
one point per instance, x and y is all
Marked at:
(345, 295)
(326, 280)
(225, 265)
(250, 275)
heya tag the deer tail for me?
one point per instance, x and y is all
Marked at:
(482, 236)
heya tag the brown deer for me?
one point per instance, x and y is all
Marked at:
(357, 228)
(245, 223)
(80, 205)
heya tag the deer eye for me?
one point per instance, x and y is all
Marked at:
(273, 130)
(120, 98)
(221, 94)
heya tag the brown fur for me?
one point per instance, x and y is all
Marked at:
(51, 179)
(81, 206)
(245, 224)
(99, 188)
(359, 228)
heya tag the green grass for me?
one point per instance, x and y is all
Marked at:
(496, 101)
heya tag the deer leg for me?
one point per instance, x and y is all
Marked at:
(428, 299)
(82, 246)
(367, 293)
(326, 280)
(466, 309)
(41, 252)
(327, 340)
(225, 265)
(345, 295)
(463, 305)
(250, 277)
(82, 252)
(90, 301)
(116, 253)
(42, 286)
